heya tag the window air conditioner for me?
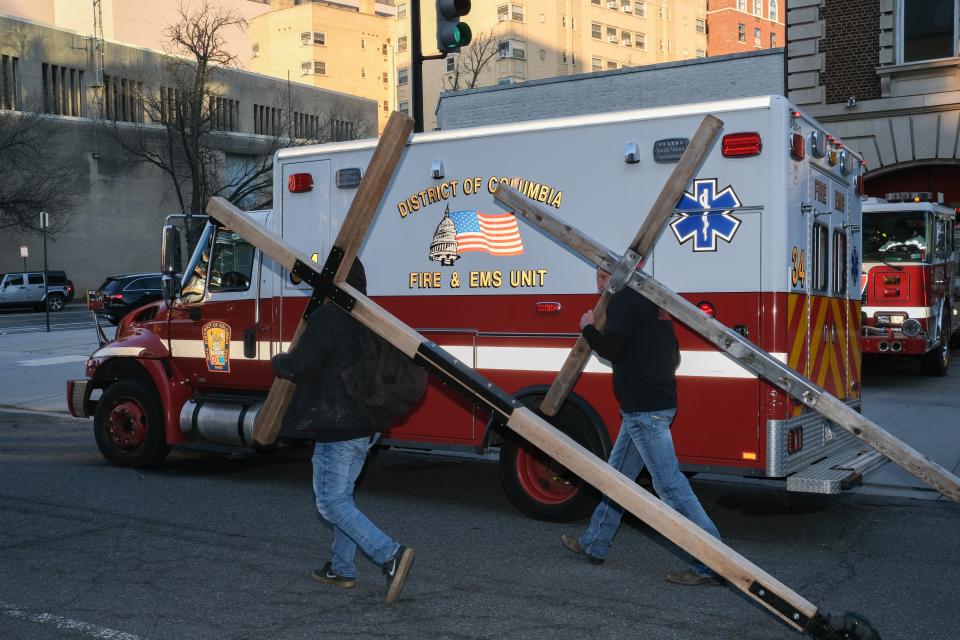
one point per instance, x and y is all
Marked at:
(612, 39)
(625, 9)
(503, 53)
(612, 4)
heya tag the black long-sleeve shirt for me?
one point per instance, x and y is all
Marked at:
(640, 343)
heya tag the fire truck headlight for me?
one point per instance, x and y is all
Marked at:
(911, 328)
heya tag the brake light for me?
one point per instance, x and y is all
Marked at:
(115, 296)
(708, 308)
(797, 146)
(300, 182)
(741, 145)
(891, 279)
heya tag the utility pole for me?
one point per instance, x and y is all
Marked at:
(44, 223)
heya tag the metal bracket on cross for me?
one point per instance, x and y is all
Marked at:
(737, 347)
(762, 587)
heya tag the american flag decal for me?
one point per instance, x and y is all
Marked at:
(497, 234)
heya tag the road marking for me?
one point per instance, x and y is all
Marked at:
(42, 362)
(92, 630)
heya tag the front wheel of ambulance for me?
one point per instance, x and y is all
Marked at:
(936, 361)
(128, 425)
(539, 486)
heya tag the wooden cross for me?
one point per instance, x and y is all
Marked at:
(733, 344)
(780, 600)
(382, 165)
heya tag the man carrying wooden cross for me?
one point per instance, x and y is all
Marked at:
(640, 343)
(344, 430)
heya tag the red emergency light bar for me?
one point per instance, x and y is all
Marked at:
(300, 183)
(548, 307)
(741, 145)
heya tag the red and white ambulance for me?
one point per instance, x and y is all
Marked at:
(766, 239)
(909, 279)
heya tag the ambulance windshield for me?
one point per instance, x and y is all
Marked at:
(896, 236)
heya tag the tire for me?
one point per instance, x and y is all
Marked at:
(936, 361)
(537, 485)
(128, 425)
(55, 303)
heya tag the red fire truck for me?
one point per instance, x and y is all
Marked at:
(909, 279)
(766, 239)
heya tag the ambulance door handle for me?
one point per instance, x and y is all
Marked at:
(250, 343)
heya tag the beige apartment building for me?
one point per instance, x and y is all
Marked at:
(363, 47)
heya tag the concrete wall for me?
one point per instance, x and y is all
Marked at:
(116, 225)
(732, 76)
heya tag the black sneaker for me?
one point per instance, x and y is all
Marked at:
(396, 571)
(326, 575)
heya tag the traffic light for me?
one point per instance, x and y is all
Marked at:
(451, 33)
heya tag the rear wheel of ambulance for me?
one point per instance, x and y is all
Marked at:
(128, 425)
(936, 361)
(539, 486)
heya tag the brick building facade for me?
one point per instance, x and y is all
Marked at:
(738, 26)
(883, 75)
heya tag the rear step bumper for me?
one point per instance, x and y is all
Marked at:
(843, 470)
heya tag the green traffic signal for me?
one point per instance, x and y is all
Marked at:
(451, 33)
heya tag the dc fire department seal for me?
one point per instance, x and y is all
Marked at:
(216, 346)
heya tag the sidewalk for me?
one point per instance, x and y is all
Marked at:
(34, 367)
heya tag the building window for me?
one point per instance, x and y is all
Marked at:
(363, 72)
(255, 50)
(320, 38)
(757, 4)
(563, 21)
(451, 64)
(509, 49)
(402, 76)
(625, 6)
(741, 5)
(224, 114)
(266, 120)
(401, 44)
(640, 41)
(386, 106)
(701, 53)
(384, 50)
(626, 39)
(573, 58)
(773, 40)
(306, 126)
(597, 65)
(9, 83)
(63, 92)
(757, 38)
(596, 30)
(404, 107)
(563, 57)
(772, 11)
(741, 32)
(510, 11)
(320, 68)
(363, 43)
(701, 25)
(305, 38)
(122, 100)
(660, 12)
(401, 10)
(640, 8)
(306, 68)
(386, 78)
(612, 35)
(611, 64)
(928, 29)
(597, 2)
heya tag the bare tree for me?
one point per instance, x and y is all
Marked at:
(471, 62)
(37, 175)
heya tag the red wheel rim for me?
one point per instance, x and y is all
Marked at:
(545, 480)
(127, 424)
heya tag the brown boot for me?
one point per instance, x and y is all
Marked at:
(572, 544)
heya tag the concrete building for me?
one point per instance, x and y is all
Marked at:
(698, 80)
(736, 26)
(133, 22)
(123, 201)
(527, 40)
(883, 73)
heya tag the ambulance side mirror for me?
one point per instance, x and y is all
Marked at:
(170, 261)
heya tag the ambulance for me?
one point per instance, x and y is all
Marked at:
(909, 279)
(766, 239)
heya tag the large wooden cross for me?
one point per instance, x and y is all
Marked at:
(329, 282)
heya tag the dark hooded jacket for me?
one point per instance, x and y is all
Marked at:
(321, 408)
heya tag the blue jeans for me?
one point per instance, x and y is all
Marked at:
(645, 440)
(336, 466)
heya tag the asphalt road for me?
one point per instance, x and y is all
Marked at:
(74, 316)
(210, 548)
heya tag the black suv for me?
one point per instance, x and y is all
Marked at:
(119, 295)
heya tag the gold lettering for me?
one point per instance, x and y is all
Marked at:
(497, 278)
(544, 189)
(453, 185)
(445, 191)
(468, 187)
(492, 184)
(556, 201)
(432, 195)
(403, 209)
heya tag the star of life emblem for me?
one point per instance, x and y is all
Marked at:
(704, 227)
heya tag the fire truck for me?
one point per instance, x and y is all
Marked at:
(909, 279)
(766, 239)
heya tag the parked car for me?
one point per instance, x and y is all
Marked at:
(26, 289)
(121, 294)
